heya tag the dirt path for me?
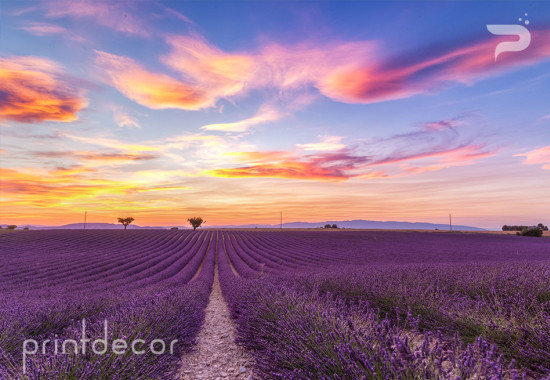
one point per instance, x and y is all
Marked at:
(216, 355)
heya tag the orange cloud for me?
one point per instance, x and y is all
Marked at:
(220, 74)
(537, 157)
(41, 190)
(157, 91)
(209, 74)
(288, 169)
(30, 187)
(32, 90)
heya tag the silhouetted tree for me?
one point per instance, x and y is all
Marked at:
(125, 221)
(174, 228)
(531, 232)
(521, 228)
(196, 222)
(334, 226)
(11, 227)
(328, 226)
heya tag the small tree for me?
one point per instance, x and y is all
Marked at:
(196, 222)
(11, 227)
(542, 227)
(334, 226)
(531, 232)
(125, 221)
(328, 226)
(174, 228)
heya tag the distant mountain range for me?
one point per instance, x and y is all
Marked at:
(359, 224)
(91, 226)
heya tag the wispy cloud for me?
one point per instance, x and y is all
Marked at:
(345, 71)
(265, 114)
(89, 159)
(464, 153)
(124, 120)
(55, 188)
(428, 72)
(327, 143)
(537, 157)
(113, 15)
(442, 124)
(320, 167)
(44, 29)
(434, 148)
(347, 164)
(34, 89)
(157, 91)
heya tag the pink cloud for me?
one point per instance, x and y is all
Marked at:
(349, 71)
(111, 14)
(441, 125)
(273, 65)
(41, 29)
(404, 77)
(464, 153)
(537, 157)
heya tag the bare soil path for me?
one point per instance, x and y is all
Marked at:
(216, 355)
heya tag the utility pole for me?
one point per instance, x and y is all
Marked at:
(85, 214)
(450, 222)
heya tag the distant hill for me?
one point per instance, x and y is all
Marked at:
(359, 224)
(93, 226)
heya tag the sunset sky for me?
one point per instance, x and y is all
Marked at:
(235, 111)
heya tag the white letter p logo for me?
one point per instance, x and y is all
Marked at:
(510, 30)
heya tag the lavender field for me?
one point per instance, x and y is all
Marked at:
(306, 304)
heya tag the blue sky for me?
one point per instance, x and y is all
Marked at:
(237, 110)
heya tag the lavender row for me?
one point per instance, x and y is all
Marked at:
(162, 308)
(298, 335)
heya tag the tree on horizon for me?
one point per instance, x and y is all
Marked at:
(196, 222)
(126, 221)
